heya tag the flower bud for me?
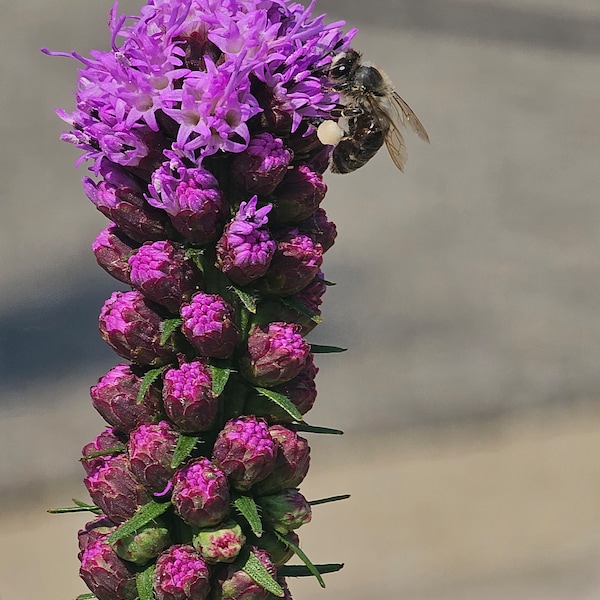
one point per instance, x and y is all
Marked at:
(285, 511)
(319, 229)
(298, 195)
(112, 249)
(106, 575)
(234, 584)
(188, 397)
(220, 543)
(209, 325)
(97, 529)
(151, 448)
(133, 330)
(181, 574)
(245, 451)
(292, 459)
(109, 439)
(295, 264)
(120, 198)
(159, 270)
(200, 493)
(245, 250)
(115, 398)
(145, 543)
(192, 199)
(277, 352)
(261, 166)
(115, 490)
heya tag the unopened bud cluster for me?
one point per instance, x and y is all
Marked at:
(206, 163)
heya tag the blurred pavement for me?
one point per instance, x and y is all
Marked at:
(468, 292)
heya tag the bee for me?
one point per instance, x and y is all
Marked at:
(371, 114)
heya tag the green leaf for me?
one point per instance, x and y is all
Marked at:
(185, 444)
(300, 308)
(255, 569)
(302, 571)
(287, 540)
(282, 401)
(219, 377)
(313, 429)
(246, 298)
(144, 515)
(113, 450)
(85, 597)
(329, 283)
(149, 378)
(330, 499)
(319, 349)
(196, 256)
(79, 507)
(143, 582)
(169, 326)
(248, 509)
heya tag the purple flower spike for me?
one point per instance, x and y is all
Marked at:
(105, 574)
(133, 330)
(192, 199)
(115, 490)
(245, 451)
(245, 249)
(115, 397)
(233, 583)
(107, 440)
(277, 352)
(159, 270)
(209, 325)
(298, 196)
(151, 448)
(200, 493)
(181, 574)
(262, 165)
(112, 249)
(188, 397)
(294, 265)
(319, 229)
(120, 198)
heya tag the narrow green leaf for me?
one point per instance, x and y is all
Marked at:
(149, 378)
(185, 444)
(143, 582)
(313, 429)
(74, 509)
(302, 571)
(246, 298)
(255, 569)
(169, 326)
(330, 499)
(282, 401)
(286, 539)
(329, 283)
(82, 504)
(85, 597)
(114, 450)
(302, 309)
(248, 509)
(144, 515)
(196, 256)
(219, 377)
(319, 349)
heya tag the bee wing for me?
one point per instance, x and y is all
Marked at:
(394, 140)
(407, 117)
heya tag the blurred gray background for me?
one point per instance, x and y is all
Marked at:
(468, 293)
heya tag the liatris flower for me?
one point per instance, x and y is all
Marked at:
(232, 583)
(107, 576)
(276, 354)
(245, 451)
(200, 493)
(191, 198)
(159, 270)
(188, 397)
(146, 543)
(209, 325)
(285, 511)
(133, 329)
(100, 528)
(319, 229)
(108, 440)
(221, 543)
(262, 165)
(246, 249)
(114, 489)
(112, 249)
(115, 397)
(151, 448)
(181, 574)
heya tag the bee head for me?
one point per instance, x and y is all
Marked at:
(343, 65)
